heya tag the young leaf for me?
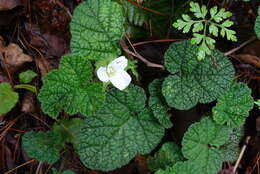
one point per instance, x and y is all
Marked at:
(44, 146)
(70, 88)
(158, 104)
(194, 81)
(230, 34)
(27, 76)
(213, 30)
(257, 24)
(186, 167)
(231, 148)
(198, 27)
(96, 28)
(122, 128)
(8, 98)
(169, 154)
(221, 15)
(199, 12)
(183, 25)
(257, 103)
(234, 105)
(201, 144)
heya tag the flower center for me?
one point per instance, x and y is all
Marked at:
(111, 71)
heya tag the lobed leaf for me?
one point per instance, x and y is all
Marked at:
(201, 144)
(221, 14)
(70, 88)
(234, 105)
(121, 128)
(96, 28)
(8, 98)
(194, 81)
(199, 12)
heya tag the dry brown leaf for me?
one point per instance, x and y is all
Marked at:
(9, 4)
(28, 105)
(13, 56)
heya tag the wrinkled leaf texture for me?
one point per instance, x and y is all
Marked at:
(70, 88)
(96, 28)
(194, 81)
(122, 128)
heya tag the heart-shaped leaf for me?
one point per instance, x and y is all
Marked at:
(193, 81)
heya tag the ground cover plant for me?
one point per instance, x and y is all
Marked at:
(89, 101)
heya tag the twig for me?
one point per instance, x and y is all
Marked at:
(137, 55)
(241, 154)
(148, 9)
(157, 41)
(28, 162)
(239, 47)
(39, 167)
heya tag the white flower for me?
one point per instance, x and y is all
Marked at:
(115, 73)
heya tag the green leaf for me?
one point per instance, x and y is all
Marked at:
(257, 24)
(197, 38)
(201, 144)
(27, 76)
(231, 148)
(234, 105)
(44, 146)
(213, 11)
(169, 154)
(221, 15)
(183, 25)
(213, 30)
(8, 98)
(198, 27)
(96, 28)
(158, 104)
(122, 128)
(186, 167)
(257, 103)
(194, 81)
(230, 34)
(70, 88)
(199, 12)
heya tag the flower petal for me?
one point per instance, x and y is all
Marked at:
(121, 79)
(119, 63)
(102, 74)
